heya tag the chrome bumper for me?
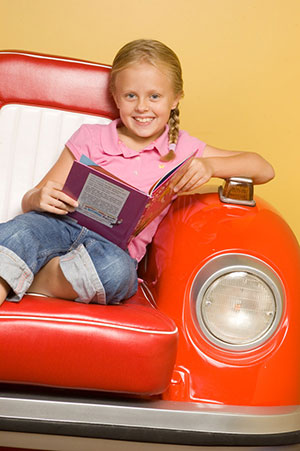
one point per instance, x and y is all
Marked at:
(150, 421)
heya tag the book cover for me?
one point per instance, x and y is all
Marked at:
(111, 207)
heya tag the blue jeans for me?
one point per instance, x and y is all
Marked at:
(98, 270)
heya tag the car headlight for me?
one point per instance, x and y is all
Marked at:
(237, 301)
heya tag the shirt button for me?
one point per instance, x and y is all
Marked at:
(135, 172)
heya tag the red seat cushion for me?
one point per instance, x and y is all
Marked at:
(128, 348)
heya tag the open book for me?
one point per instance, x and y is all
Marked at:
(111, 207)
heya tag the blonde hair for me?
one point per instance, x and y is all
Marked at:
(158, 54)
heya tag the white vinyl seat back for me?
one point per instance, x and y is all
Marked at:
(31, 140)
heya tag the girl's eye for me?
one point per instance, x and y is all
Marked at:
(155, 96)
(130, 96)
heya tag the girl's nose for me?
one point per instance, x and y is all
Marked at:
(142, 105)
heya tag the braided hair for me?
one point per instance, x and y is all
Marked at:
(158, 54)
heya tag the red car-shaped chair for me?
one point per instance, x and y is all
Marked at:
(207, 351)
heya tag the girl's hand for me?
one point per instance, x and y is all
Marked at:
(198, 172)
(50, 198)
(47, 195)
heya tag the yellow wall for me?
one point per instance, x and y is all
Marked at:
(240, 60)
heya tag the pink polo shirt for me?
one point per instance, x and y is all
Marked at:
(141, 169)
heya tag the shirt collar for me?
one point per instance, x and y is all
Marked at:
(113, 146)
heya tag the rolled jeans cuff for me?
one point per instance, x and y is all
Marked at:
(16, 273)
(88, 286)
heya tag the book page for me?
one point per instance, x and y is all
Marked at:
(102, 200)
(162, 194)
(174, 173)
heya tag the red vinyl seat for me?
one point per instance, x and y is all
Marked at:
(129, 348)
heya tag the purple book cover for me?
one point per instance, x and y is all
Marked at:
(106, 205)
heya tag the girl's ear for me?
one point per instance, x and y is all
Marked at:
(115, 99)
(176, 101)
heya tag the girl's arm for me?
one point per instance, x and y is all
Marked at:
(223, 164)
(47, 195)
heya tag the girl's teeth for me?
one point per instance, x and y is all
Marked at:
(142, 119)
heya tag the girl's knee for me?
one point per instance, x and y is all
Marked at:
(107, 271)
(121, 282)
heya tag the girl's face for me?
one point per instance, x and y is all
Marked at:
(144, 96)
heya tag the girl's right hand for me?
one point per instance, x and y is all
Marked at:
(47, 195)
(52, 199)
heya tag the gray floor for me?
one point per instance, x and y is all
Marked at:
(59, 443)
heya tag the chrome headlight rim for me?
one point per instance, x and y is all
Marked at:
(225, 264)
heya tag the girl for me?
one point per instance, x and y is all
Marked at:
(140, 146)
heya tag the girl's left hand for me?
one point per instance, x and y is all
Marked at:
(198, 172)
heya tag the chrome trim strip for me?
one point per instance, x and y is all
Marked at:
(148, 295)
(157, 415)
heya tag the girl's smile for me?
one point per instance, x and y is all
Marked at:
(145, 97)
